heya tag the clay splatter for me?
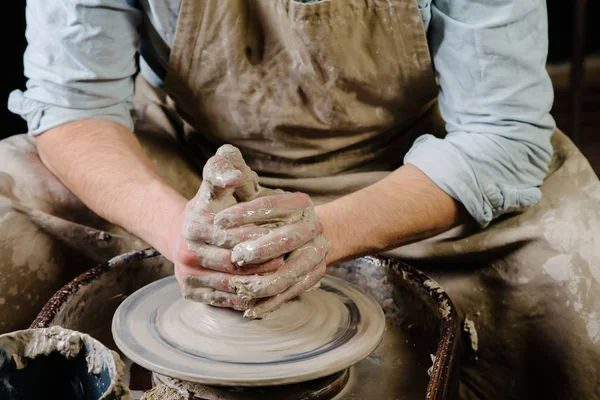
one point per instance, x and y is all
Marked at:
(469, 327)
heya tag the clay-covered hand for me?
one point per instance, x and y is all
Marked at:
(244, 242)
(203, 249)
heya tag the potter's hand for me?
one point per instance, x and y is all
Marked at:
(205, 250)
(234, 249)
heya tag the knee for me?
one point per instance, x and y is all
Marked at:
(26, 180)
(30, 270)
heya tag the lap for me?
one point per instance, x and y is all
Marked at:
(47, 235)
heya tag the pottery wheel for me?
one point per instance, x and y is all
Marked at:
(320, 333)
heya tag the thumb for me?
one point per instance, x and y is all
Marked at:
(250, 188)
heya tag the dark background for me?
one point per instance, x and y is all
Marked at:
(13, 26)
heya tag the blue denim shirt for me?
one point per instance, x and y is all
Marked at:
(489, 56)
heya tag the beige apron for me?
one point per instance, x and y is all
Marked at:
(320, 98)
(326, 98)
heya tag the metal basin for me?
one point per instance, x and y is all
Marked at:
(417, 359)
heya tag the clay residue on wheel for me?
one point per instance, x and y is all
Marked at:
(372, 276)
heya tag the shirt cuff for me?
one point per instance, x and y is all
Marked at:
(41, 117)
(460, 178)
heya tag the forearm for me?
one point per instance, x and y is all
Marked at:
(404, 207)
(103, 164)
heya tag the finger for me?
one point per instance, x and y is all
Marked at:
(210, 200)
(208, 279)
(268, 209)
(298, 264)
(270, 304)
(212, 257)
(221, 173)
(215, 297)
(219, 259)
(279, 241)
(219, 180)
(268, 267)
(221, 281)
(216, 193)
(250, 188)
(234, 155)
(197, 229)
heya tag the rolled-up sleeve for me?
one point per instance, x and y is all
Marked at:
(495, 97)
(79, 62)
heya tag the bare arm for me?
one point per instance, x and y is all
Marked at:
(103, 164)
(404, 207)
